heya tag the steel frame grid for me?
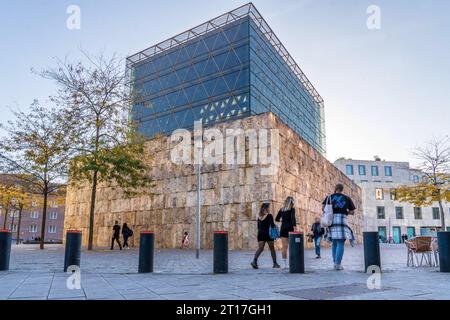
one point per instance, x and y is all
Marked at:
(246, 10)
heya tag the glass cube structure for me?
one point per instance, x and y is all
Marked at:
(230, 67)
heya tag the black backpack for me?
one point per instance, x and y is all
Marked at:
(130, 232)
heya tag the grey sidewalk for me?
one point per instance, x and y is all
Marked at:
(178, 275)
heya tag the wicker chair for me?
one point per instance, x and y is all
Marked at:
(419, 246)
(410, 246)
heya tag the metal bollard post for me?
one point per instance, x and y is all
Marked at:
(220, 252)
(73, 249)
(444, 251)
(5, 249)
(146, 251)
(296, 252)
(371, 250)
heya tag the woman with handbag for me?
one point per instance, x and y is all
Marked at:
(339, 230)
(265, 223)
(287, 217)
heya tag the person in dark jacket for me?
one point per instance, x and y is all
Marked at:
(339, 231)
(116, 235)
(318, 232)
(265, 221)
(126, 233)
(287, 217)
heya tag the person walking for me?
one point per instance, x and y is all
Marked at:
(339, 231)
(287, 217)
(185, 241)
(116, 235)
(318, 232)
(265, 221)
(126, 233)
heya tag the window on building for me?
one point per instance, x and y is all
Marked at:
(362, 170)
(33, 228)
(393, 194)
(54, 204)
(34, 204)
(417, 213)
(374, 170)
(415, 178)
(380, 213)
(379, 194)
(399, 212)
(53, 215)
(51, 229)
(13, 227)
(34, 215)
(388, 171)
(14, 214)
(349, 169)
(436, 213)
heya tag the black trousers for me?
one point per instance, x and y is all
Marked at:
(116, 238)
(125, 242)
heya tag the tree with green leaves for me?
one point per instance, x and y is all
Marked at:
(96, 100)
(36, 150)
(434, 158)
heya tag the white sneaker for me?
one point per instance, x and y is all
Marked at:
(338, 267)
(285, 265)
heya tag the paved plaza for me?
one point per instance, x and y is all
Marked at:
(106, 274)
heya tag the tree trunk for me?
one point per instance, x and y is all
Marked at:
(92, 210)
(6, 218)
(44, 218)
(442, 216)
(18, 226)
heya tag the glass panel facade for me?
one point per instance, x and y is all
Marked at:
(221, 71)
(275, 88)
(204, 79)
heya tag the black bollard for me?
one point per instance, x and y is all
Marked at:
(296, 252)
(371, 250)
(444, 251)
(220, 252)
(5, 249)
(146, 251)
(73, 249)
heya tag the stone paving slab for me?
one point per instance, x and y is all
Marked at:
(105, 274)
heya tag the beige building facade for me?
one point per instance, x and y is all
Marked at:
(231, 194)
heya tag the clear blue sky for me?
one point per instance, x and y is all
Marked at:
(385, 90)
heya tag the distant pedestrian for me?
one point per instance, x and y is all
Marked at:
(287, 217)
(185, 241)
(126, 233)
(318, 232)
(116, 235)
(265, 221)
(339, 231)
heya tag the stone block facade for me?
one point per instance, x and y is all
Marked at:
(231, 193)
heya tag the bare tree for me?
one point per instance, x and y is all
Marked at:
(95, 99)
(434, 163)
(36, 151)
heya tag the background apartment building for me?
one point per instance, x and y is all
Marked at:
(382, 212)
(31, 220)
